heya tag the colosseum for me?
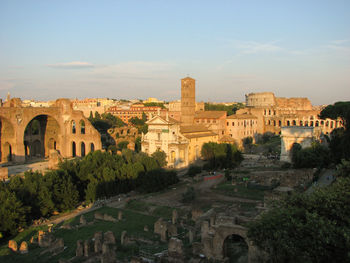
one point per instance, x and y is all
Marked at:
(271, 113)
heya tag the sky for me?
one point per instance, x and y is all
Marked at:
(138, 49)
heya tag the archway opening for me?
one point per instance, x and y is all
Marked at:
(235, 249)
(82, 148)
(74, 149)
(92, 147)
(40, 135)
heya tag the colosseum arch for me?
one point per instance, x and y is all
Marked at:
(41, 134)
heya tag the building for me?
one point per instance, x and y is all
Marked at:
(240, 126)
(181, 140)
(215, 121)
(297, 134)
(32, 132)
(135, 111)
(164, 134)
(272, 113)
(188, 101)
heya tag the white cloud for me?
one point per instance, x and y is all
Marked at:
(72, 65)
(134, 70)
(252, 47)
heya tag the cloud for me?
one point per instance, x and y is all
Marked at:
(140, 70)
(72, 65)
(253, 47)
(339, 46)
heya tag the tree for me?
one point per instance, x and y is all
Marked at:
(12, 212)
(122, 145)
(160, 157)
(307, 227)
(340, 137)
(340, 110)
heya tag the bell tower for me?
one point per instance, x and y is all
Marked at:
(188, 101)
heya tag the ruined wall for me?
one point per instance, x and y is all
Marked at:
(294, 103)
(262, 99)
(61, 128)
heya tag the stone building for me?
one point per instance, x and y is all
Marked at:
(297, 134)
(215, 121)
(241, 126)
(31, 132)
(188, 101)
(273, 113)
(135, 111)
(164, 134)
(181, 140)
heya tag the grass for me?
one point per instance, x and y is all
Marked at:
(153, 210)
(242, 191)
(132, 222)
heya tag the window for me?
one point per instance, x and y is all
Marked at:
(73, 127)
(82, 127)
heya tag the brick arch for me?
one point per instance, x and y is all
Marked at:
(48, 136)
(222, 232)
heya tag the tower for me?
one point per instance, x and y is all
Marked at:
(188, 101)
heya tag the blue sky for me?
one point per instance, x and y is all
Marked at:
(139, 49)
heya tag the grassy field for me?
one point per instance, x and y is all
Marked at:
(241, 191)
(132, 222)
(154, 210)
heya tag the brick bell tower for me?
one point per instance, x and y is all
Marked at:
(188, 101)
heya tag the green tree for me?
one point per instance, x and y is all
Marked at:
(340, 137)
(122, 145)
(12, 212)
(160, 157)
(307, 227)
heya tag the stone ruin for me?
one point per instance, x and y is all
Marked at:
(105, 217)
(165, 229)
(55, 158)
(13, 245)
(175, 251)
(4, 173)
(101, 248)
(23, 249)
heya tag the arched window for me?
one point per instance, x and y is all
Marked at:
(288, 123)
(92, 147)
(301, 123)
(74, 150)
(82, 149)
(82, 127)
(294, 123)
(74, 128)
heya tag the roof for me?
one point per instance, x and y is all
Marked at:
(204, 134)
(170, 120)
(193, 128)
(188, 78)
(209, 114)
(226, 138)
(242, 116)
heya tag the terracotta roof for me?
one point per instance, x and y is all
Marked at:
(226, 138)
(193, 128)
(242, 116)
(209, 114)
(198, 135)
(170, 120)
